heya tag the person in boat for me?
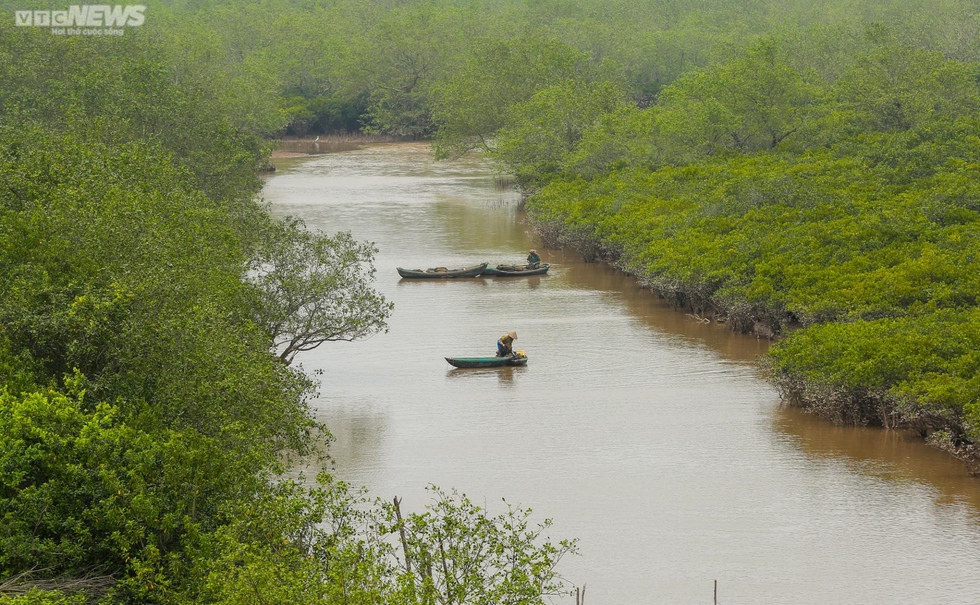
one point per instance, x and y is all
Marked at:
(505, 346)
(533, 260)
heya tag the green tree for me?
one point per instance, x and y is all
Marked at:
(753, 102)
(83, 490)
(293, 544)
(544, 130)
(332, 543)
(37, 596)
(627, 136)
(409, 49)
(456, 553)
(896, 86)
(475, 102)
(312, 288)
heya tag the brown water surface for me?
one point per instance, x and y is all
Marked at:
(645, 433)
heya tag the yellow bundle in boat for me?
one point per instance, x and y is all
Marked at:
(521, 352)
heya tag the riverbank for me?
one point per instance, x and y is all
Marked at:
(631, 425)
(872, 303)
(329, 143)
(837, 401)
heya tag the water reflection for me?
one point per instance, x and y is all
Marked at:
(357, 437)
(316, 146)
(409, 282)
(531, 281)
(653, 311)
(896, 456)
(502, 376)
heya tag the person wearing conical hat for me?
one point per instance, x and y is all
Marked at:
(533, 260)
(505, 346)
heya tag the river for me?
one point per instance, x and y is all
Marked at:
(645, 433)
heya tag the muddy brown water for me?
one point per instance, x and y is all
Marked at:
(648, 435)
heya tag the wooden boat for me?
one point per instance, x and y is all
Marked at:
(442, 272)
(487, 362)
(515, 270)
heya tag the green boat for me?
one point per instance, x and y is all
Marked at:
(442, 272)
(515, 270)
(487, 362)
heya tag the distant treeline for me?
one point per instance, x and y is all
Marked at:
(456, 69)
